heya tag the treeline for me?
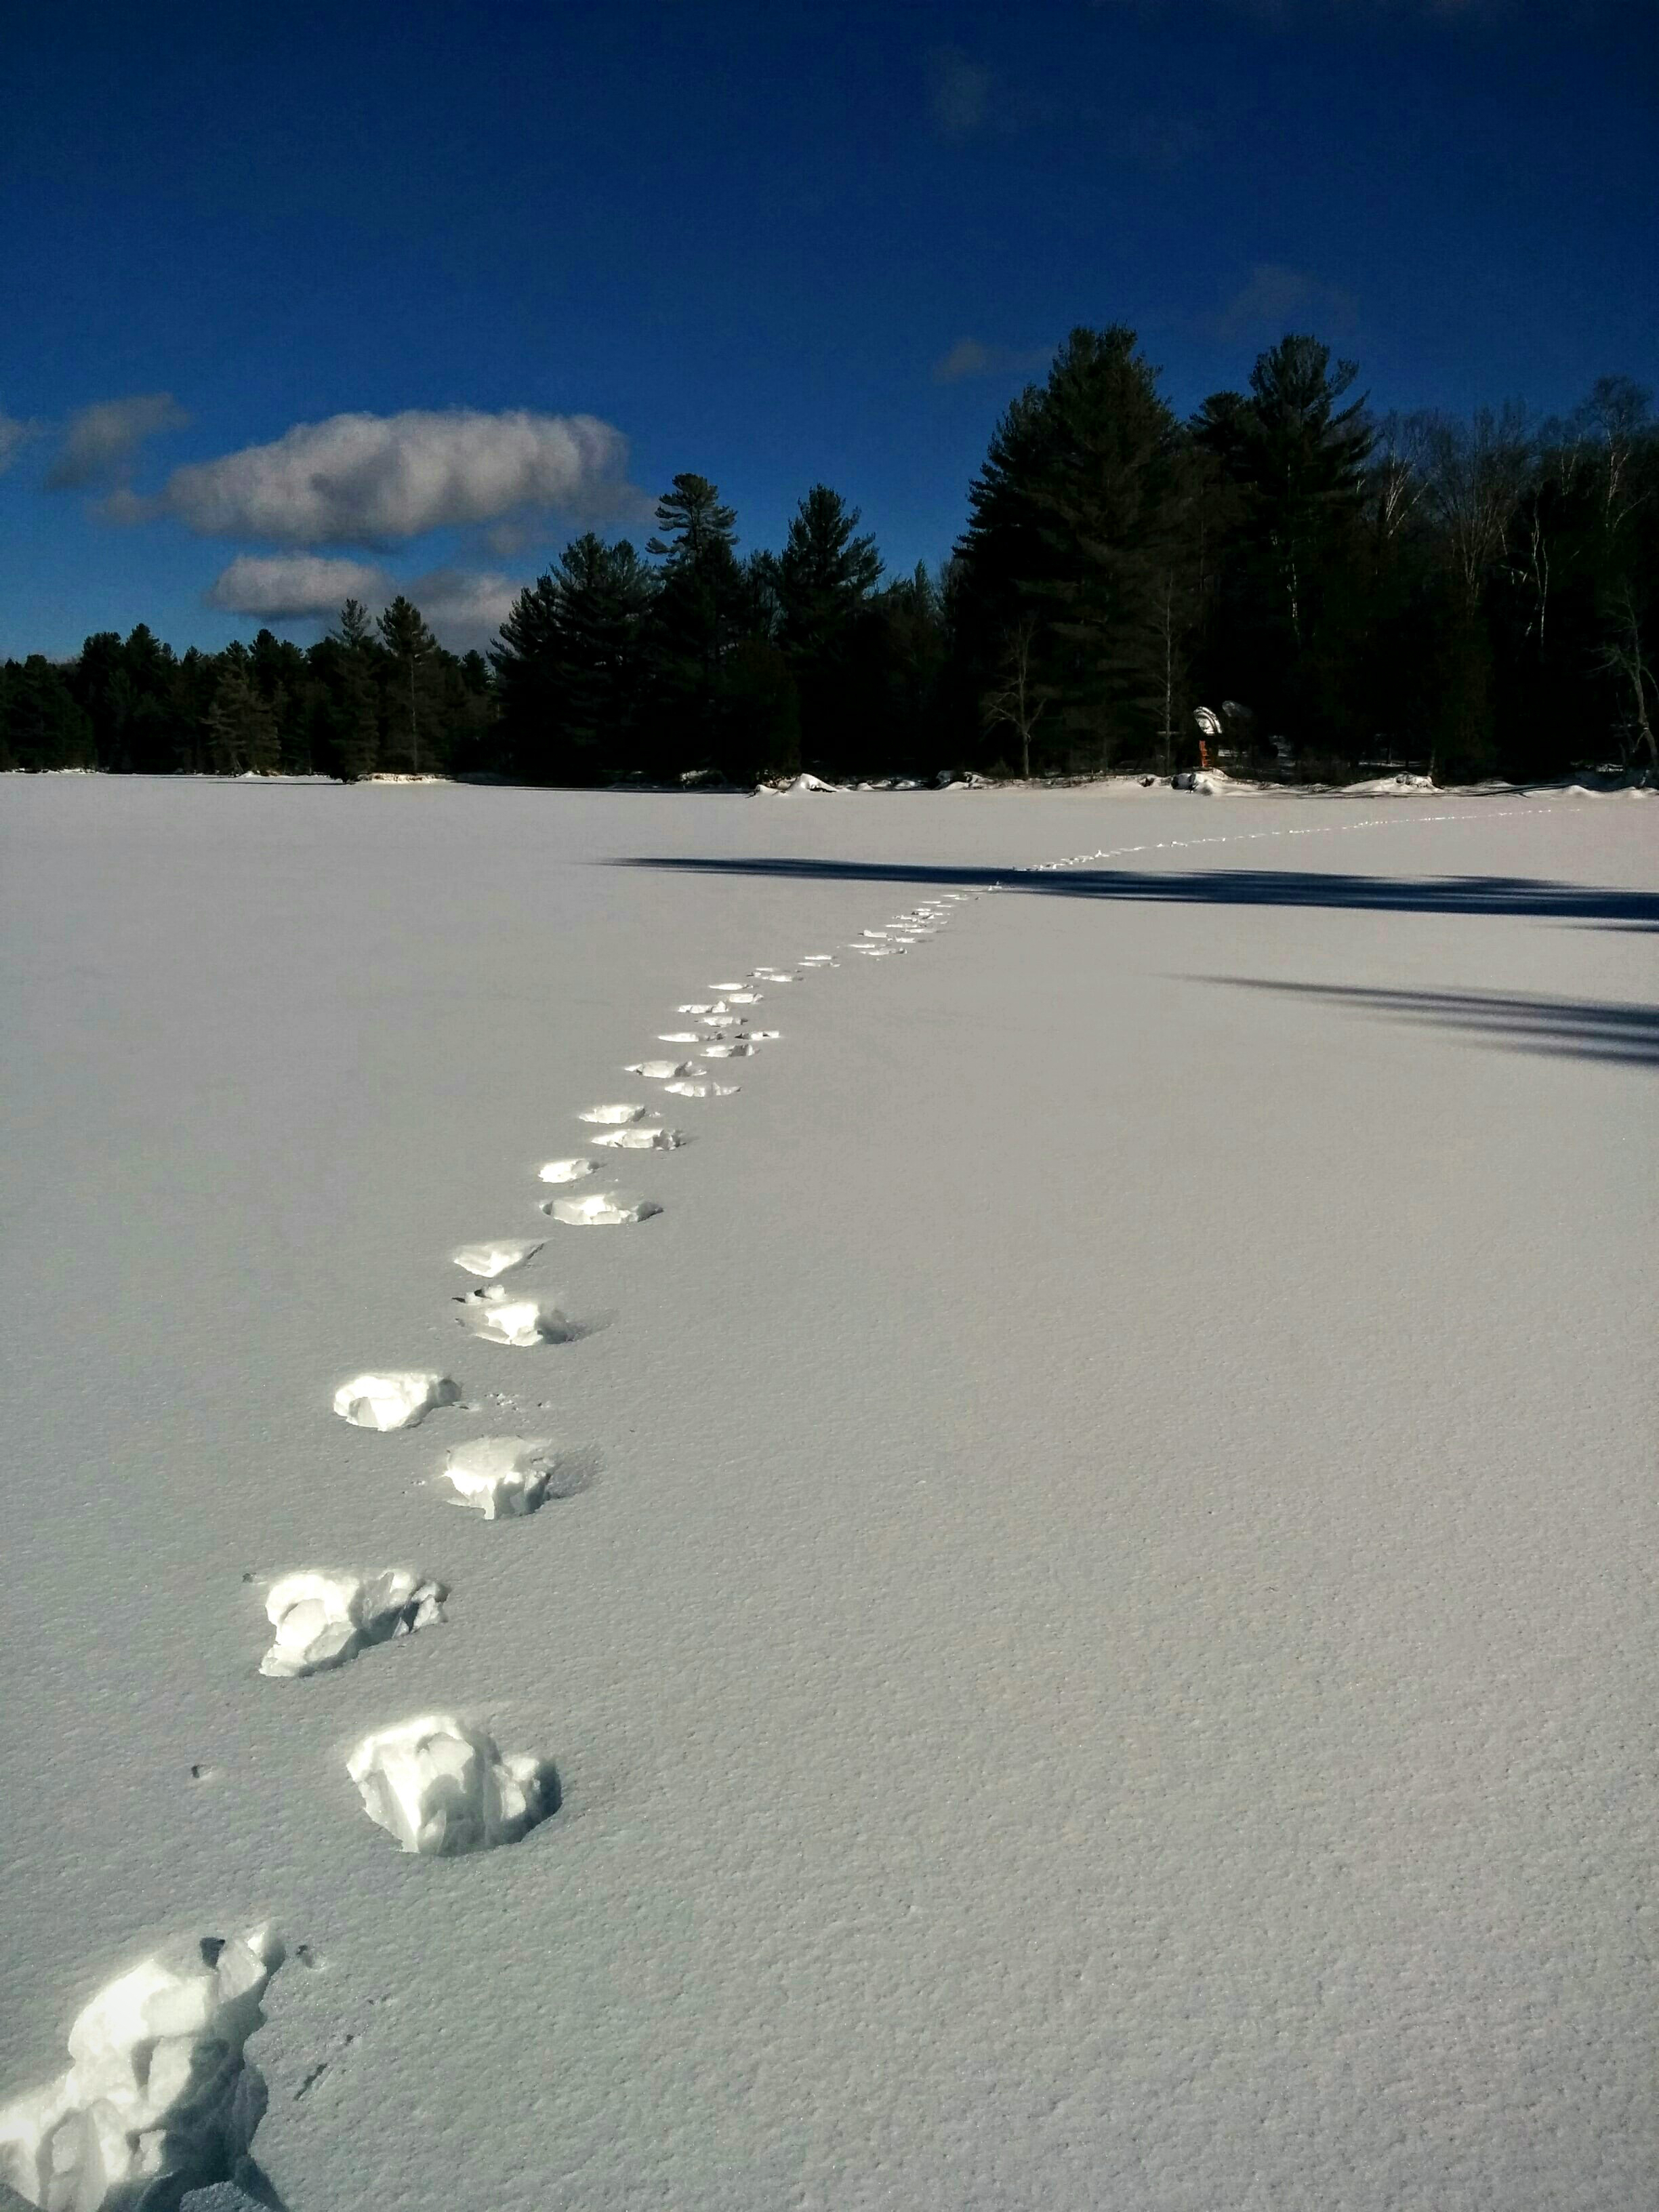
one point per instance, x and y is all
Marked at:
(1311, 590)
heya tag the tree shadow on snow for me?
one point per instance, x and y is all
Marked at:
(1584, 1029)
(1530, 897)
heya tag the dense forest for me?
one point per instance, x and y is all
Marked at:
(1317, 590)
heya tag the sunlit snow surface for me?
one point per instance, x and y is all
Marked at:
(1109, 1656)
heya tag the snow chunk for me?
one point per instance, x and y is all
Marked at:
(568, 1170)
(643, 1139)
(497, 1256)
(490, 1314)
(323, 1619)
(605, 1209)
(504, 1477)
(441, 1787)
(158, 2098)
(393, 1401)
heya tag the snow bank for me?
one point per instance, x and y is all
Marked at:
(496, 1256)
(504, 1477)
(323, 1619)
(399, 1401)
(158, 2098)
(442, 1788)
(605, 1209)
(1379, 787)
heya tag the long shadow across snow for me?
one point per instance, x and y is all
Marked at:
(1584, 1029)
(1603, 906)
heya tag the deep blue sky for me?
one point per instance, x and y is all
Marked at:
(760, 242)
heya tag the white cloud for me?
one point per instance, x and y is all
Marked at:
(1272, 300)
(369, 479)
(101, 441)
(970, 357)
(295, 586)
(466, 607)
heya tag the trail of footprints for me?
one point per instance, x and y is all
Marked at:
(159, 2095)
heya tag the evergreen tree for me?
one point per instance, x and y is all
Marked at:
(825, 574)
(1071, 542)
(410, 659)
(697, 616)
(40, 725)
(1297, 459)
(603, 594)
(346, 718)
(242, 730)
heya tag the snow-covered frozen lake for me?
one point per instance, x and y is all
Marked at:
(1095, 1611)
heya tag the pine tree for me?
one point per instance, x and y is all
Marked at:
(412, 653)
(697, 618)
(603, 594)
(1075, 519)
(825, 574)
(1296, 459)
(242, 730)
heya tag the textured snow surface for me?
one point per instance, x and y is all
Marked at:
(1107, 1655)
(157, 2091)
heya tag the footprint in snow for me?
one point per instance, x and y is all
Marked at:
(496, 1256)
(677, 1036)
(492, 1313)
(503, 1477)
(400, 1400)
(568, 1170)
(440, 1787)
(696, 1087)
(605, 1209)
(642, 1138)
(663, 1071)
(323, 1619)
(740, 1050)
(613, 1117)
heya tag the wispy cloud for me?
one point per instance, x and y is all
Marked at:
(959, 94)
(1273, 298)
(972, 357)
(14, 434)
(466, 607)
(100, 442)
(373, 479)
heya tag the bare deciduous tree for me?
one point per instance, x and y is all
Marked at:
(1020, 702)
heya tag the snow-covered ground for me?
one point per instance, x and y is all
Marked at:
(1090, 1588)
